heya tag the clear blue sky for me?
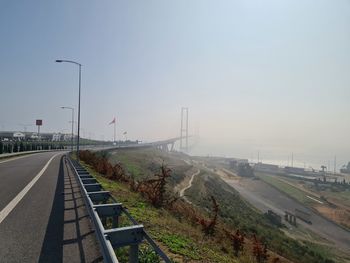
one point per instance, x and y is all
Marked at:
(270, 75)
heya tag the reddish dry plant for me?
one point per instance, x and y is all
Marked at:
(259, 251)
(237, 240)
(183, 209)
(102, 166)
(208, 226)
(155, 189)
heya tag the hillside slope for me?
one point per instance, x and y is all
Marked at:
(177, 231)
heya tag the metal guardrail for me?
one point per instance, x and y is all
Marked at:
(102, 206)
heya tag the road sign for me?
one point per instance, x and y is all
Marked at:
(39, 122)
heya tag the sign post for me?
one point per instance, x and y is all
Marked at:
(39, 123)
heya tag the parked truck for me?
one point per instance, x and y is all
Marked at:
(305, 216)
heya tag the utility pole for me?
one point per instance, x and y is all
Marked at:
(335, 164)
(114, 131)
(329, 166)
(292, 159)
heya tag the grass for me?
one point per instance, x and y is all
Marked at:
(144, 163)
(180, 245)
(343, 196)
(290, 190)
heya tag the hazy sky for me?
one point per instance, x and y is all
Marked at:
(256, 75)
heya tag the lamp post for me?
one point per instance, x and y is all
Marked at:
(78, 64)
(72, 109)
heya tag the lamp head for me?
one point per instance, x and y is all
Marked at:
(58, 60)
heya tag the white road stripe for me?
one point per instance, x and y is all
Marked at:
(7, 210)
(314, 199)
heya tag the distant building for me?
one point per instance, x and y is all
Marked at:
(56, 137)
(34, 136)
(67, 137)
(19, 136)
(345, 169)
(234, 162)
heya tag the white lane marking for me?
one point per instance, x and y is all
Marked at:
(5, 212)
(314, 199)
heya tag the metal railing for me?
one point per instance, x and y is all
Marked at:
(102, 206)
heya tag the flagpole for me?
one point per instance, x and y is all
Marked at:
(114, 130)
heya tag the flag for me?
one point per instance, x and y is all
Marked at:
(113, 121)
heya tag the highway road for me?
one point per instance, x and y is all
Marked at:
(42, 215)
(265, 197)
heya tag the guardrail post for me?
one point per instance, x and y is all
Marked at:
(134, 253)
(115, 221)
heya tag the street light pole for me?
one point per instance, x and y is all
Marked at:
(78, 64)
(79, 113)
(72, 109)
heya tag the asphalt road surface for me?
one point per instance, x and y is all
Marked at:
(42, 214)
(265, 197)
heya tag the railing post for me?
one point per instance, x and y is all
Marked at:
(134, 254)
(115, 221)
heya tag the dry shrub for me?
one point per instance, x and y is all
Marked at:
(259, 250)
(155, 189)
(103, 166)
(237, 240)
(208, 226)
(183, 209)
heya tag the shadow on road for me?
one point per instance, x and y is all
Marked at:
(69, 236)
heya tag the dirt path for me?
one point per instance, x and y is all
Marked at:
(182, 191)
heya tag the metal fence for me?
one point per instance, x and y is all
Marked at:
(103, 207)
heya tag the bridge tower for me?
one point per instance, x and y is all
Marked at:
(184, 130)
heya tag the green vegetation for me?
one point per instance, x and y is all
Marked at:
(177, 236)
(133, 168)
(144, 163)
(180, 245)
(146, 254)
(290, 190)
(342, 196)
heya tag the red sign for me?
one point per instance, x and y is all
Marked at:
(39, 122)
